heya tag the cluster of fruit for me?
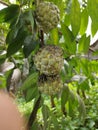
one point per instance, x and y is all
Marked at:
(49, 59)
(49, 62)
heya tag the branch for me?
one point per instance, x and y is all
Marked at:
(94, 44)
(92, 50)
(34, 112)
(4, 3)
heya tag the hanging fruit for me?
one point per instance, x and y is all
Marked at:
(49, 60)
(47, 16)
(50, 85)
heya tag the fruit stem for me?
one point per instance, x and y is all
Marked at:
(52, 102)
(37, 2)
(41, 37)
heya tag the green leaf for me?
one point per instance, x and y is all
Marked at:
(35, 126)
(84, 44)
(70, 44)
(46, 114)
(68, 35)
(72, 96)
(31, 19)
(13, 48)
(92, 7)
(67, 19)
(75, 17)
(73, 48)
(2, 60)
(31, 93)
(84, 65)
(94, 28)
(2, 57)
(64, 96)
(71, 108)
(32, 79)
(29, 45)
(16, 43)
(84, 85)
(55, 122)
(12, 34)
(87, 44)
(27, 18)
(9, 13)
(2, 81)
(72, 102)
(84, 21)
(81, 107)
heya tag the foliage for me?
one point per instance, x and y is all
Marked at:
(23, 38)
(68, 123)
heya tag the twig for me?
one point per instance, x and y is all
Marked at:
(33, 113)
(4, 3)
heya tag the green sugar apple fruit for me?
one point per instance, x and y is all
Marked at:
(49, 60)
(50, 85)
(47, 16)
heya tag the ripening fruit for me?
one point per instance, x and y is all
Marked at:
(49, 60)
(47, 16)
(50, 85)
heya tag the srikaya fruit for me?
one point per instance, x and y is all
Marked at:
(49, 60)
(47, 16)
(50, 85)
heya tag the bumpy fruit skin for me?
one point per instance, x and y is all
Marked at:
(47, 16)
(49, 60)
(50, 85)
